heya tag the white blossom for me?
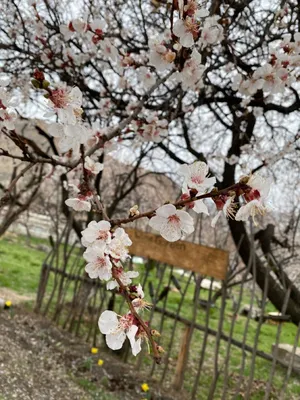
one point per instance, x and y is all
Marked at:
(98, 25)
(195, 177)
(80, 25)
(116, 329)
(70, 136)
(160, 56)
(92, 166)
(256, 198)
(118, 248)
(109, 50)
(96, 232)
(200, 207)
(192, 72)
(171, 223)
(186, 30)
(271, 77)
(6, 98)
(201, 13)
(67, 31)
(99, 264)
(67, 103)
(146, 77)
(225, 204)
(80, 203)
(125, 278)
(212, 31)
(8, 118)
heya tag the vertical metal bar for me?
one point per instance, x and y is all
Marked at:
(256, 339)
(284, 307)
(174, 327)
(244, 355)
(217, 346)
(204, 343)
(161, 325)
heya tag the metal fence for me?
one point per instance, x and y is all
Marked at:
(220, 343)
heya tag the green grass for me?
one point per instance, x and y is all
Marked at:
(20, 270)
(20, 264)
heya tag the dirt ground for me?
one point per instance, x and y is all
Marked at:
(41, 362)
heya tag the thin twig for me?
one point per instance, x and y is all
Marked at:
(5, 199)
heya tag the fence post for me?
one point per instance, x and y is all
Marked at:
(42, 287)
(182, 358)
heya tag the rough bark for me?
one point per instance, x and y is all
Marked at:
(276, 293)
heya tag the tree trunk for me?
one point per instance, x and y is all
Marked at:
(276, 293)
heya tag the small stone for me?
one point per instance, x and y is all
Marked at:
(284, 355)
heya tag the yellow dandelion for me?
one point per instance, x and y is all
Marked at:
(8, 303)
(100, 362)
(94, 350)
(145, 387)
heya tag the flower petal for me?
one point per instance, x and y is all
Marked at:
(187, 40)
(215, 219)
(108, 322)
(115, 340)
(179, 28)
(171, 231)
(156, 222)
(112, 285)
(166, 210)
(200, 207)
(135, 344)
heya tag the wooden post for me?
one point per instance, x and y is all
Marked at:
(182, 358)
(42, 287)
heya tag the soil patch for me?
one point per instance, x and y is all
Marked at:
(38, 361)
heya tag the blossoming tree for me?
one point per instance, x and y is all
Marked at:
(209, 86)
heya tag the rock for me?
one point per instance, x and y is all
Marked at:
(284, 355)
(207, 284)
(274, 314)
(44, 248)
(254, 312)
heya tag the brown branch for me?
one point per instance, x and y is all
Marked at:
(147, 330)
(5, 199)
(178, 204)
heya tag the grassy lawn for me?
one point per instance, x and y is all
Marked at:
(20, 264)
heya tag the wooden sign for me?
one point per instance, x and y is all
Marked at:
(192, 257)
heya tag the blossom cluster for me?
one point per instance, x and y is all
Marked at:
(91, 34)
(70, 131)
(106, 249)
(173, 224)
(280, 72)
(196, 26)
(194, 29)
(150, 128)
(83, 195)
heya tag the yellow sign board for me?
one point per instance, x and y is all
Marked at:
(192, 257)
